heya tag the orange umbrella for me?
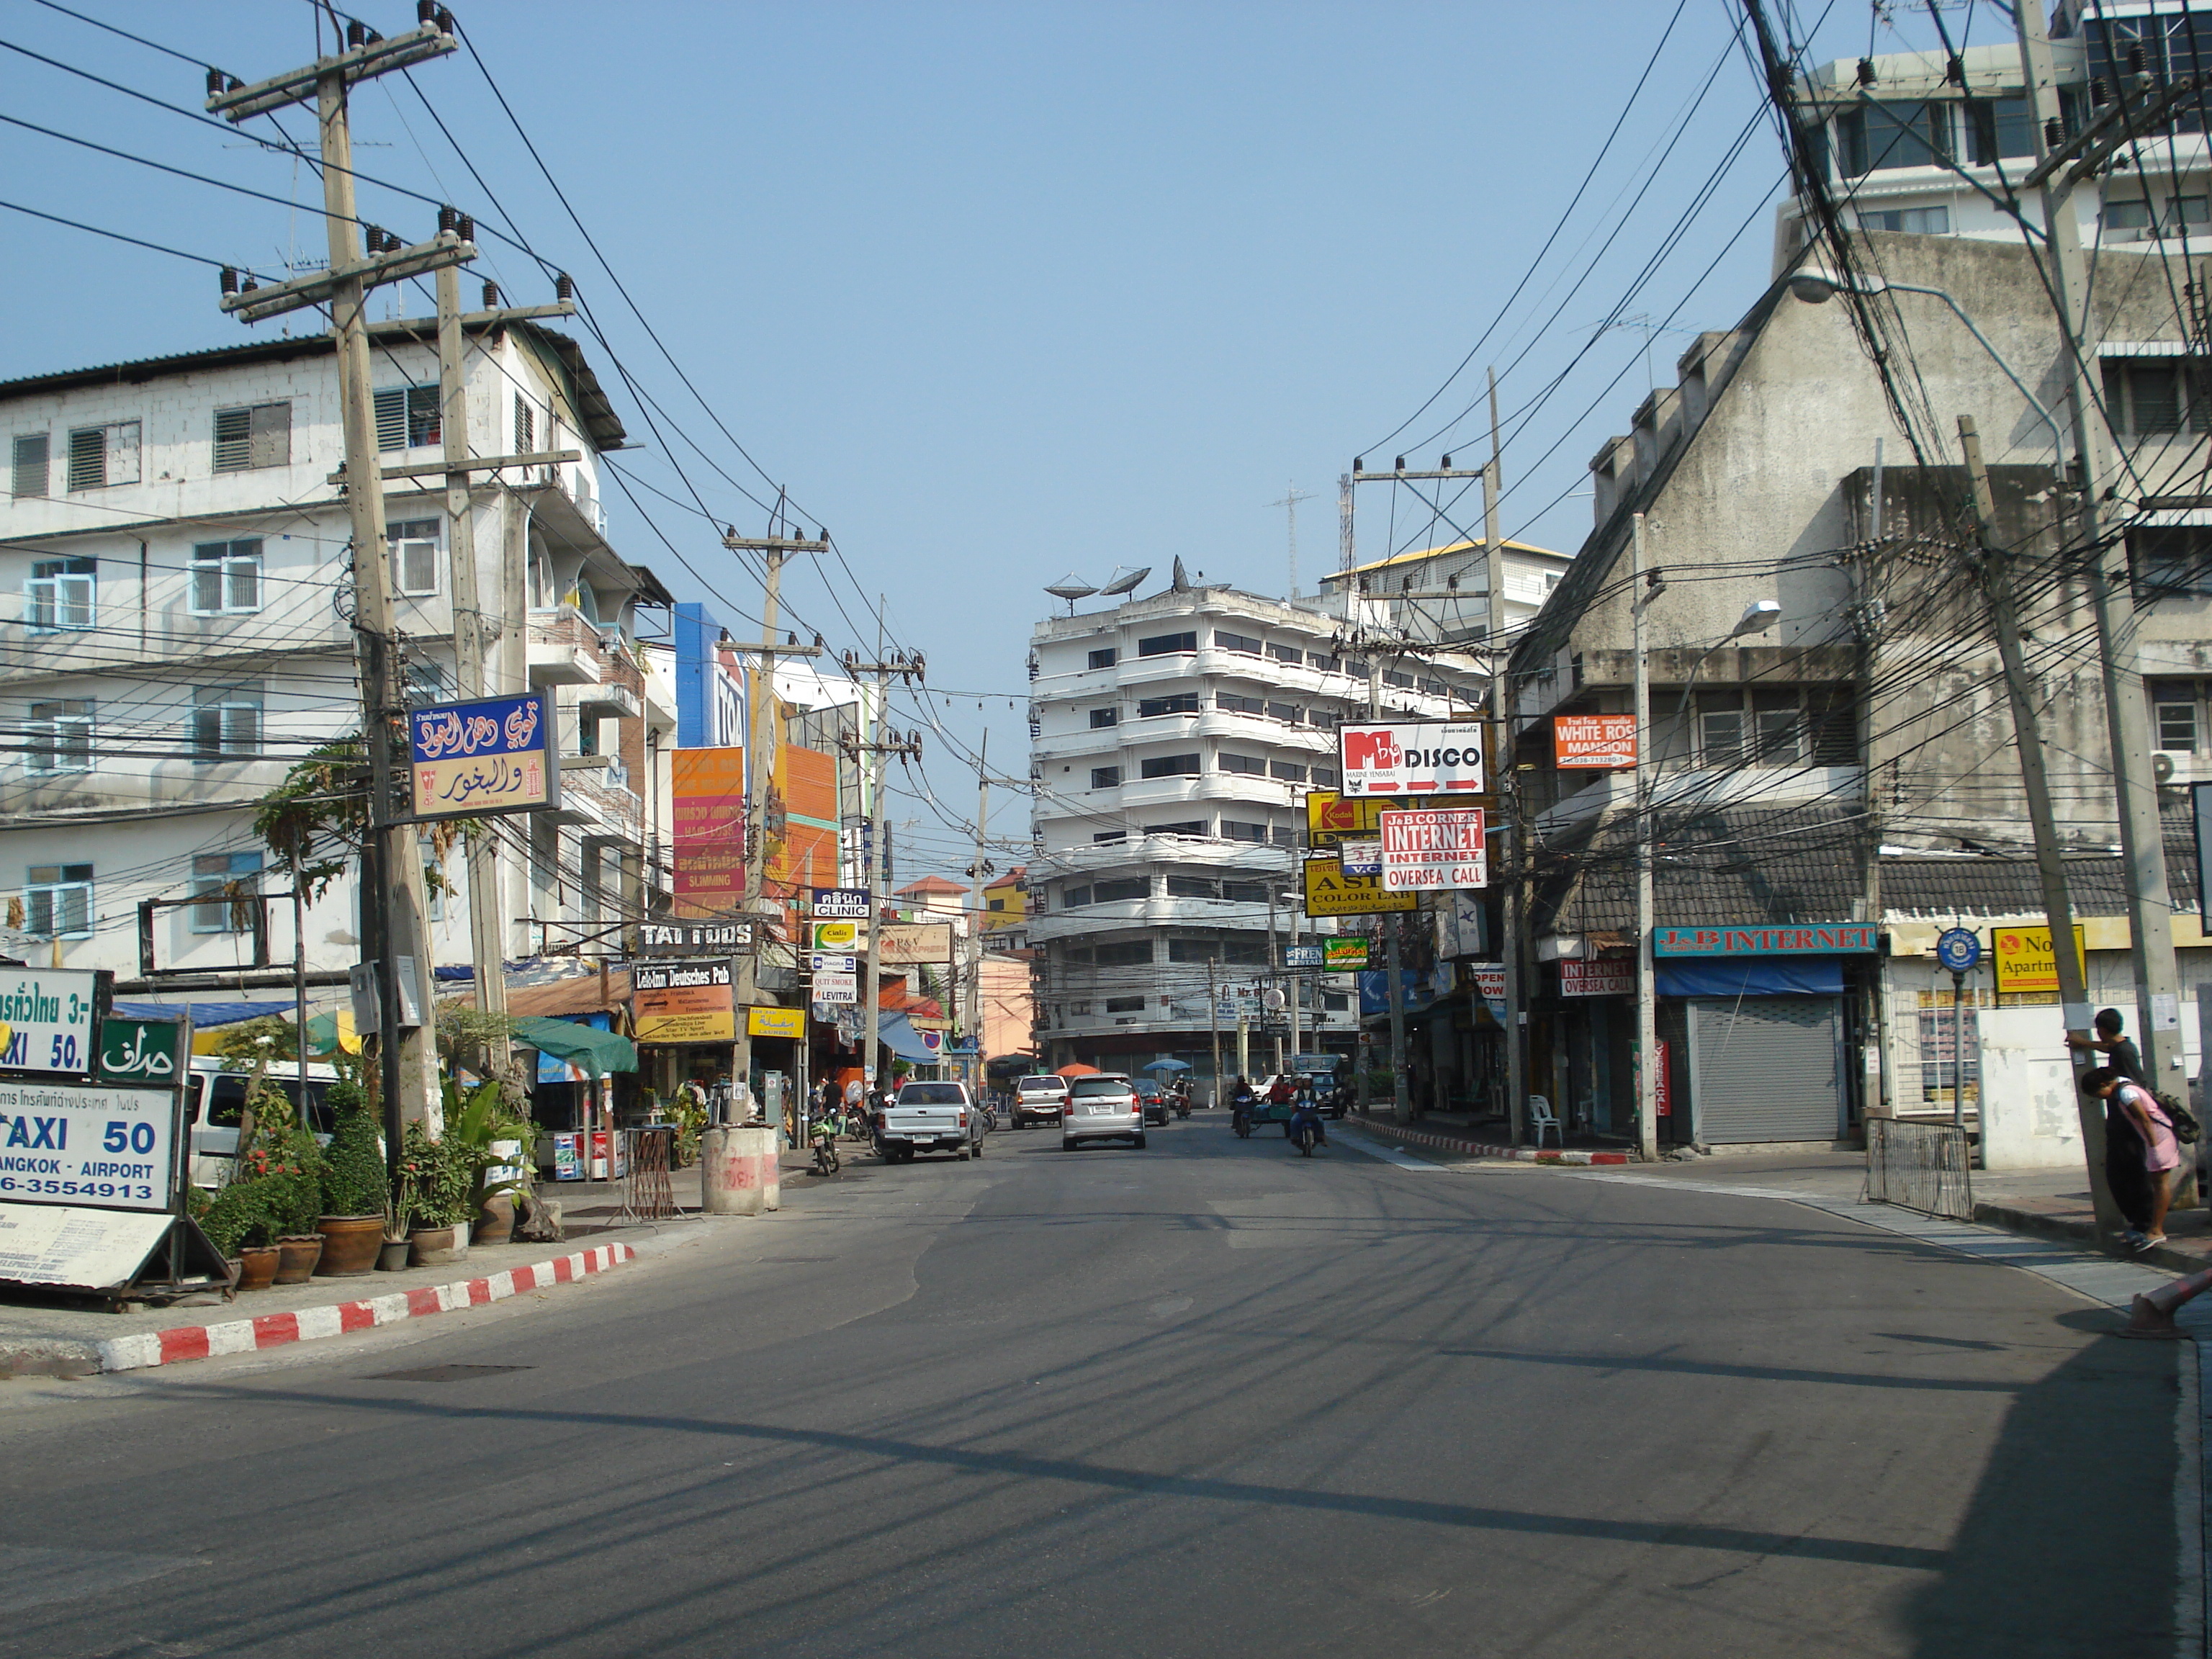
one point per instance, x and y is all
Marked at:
(1077, 1069)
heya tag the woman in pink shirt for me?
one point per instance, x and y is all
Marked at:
(2161, 1152)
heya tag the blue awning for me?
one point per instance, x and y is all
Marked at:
(896, 1033)
(1757, 976)
(205, 1015)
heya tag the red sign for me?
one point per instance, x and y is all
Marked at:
(1612, 976)
(1594, 742)
(708, 794)
(1662, 1088)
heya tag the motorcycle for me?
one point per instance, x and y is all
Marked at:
(824, 1133)
(1183, 1105)
(1306, 1131)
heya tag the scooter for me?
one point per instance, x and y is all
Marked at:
(1306, 1131)
(826, 1162)
(1183, 1105)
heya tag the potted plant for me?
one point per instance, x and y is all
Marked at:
(489, 1139)
(353, 1188)
(436, 1184)
(269, 1201)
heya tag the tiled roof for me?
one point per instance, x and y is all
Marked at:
(931, 884)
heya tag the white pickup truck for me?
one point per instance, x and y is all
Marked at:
(929, 1117)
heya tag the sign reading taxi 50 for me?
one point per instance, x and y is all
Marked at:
(48, 1014)
(72, 1143)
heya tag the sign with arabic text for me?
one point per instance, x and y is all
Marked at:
(49, 1015)
(1346, 953)
(472, 760)
(88, 1144)
(144, 1051)
(772, 1021)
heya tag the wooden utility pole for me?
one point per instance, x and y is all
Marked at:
(1996, 571)
(1647, 990)
(1501, 708)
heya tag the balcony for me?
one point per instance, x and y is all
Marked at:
(609, 702)
(564, 648)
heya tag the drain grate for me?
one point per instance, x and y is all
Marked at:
(445, 1373)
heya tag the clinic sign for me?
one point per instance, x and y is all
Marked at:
(89, 1145)
(1416, 757)
(842, 904)
(1838, 938)
(472, 760)
(1428, 852)
(48, 1014)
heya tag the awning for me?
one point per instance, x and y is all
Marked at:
(896, 1032)
(204, 1014)
(597, 1052)
(1761, 976)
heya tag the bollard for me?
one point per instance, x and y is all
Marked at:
(2152, 1315)
(739, 1171)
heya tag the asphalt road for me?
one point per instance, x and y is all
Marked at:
(1205, 1398)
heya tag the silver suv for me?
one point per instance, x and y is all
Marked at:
(1101, 1108)
(1038, 1099)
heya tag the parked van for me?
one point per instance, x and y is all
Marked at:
(214, 1103)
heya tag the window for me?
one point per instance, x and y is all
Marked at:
(260, 435)
(1162, 644)
(433, 878)
(57, 900)
(1075, 898)
(1769, 725)
(1102, 658)
(1236, 705)
(997, 904)
(1191, 887)
(60, 594)
(1335, 1002)
(1168, 766)
(1105, 777)
(1190, 827)
(2177, 715)
(1720, 728)
(2171, 559)
(1288, 771)
(59, 736)
(1289, 653)
(1129, 953)
(1105, 717)
(103, 455)
(1944, 1031)
(1326, 777)
(1919, 222)
(1125, 1004)
(2001, 128)
(425, 682)
(414, 555)
(407, 417)
(1244, 892)
(226, 578)
(1327, 665)
(30, 463)
(1244, 951)
(1289, 713)
(1225, 640)
(1117, 892)
(223, 879)
(1182, 703)
(2149, 397)
(1111, 835)
(225, 722)
(1403, 682)
(1233, 830)
(1879, 137)
(1284, 835)
(1436, 688)
(526, 426)
(1245, 763)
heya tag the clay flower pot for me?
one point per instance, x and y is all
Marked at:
(494, 1221)
(432, 1247)
(349, 1245)
(297, 1254)
(258, 1265)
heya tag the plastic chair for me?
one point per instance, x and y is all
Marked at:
(1540, 1118)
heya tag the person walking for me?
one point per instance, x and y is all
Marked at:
(2161, 1153)
(2125, 1171)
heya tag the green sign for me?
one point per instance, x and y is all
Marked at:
(143, 1051)
(1345, 954)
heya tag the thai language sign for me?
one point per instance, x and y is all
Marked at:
(2026, 962)
(847, 904)
(1417, 758)
(87, 1144)
(1604, 976)
(1593, 741)
(48, 1014)
(708, 789)
(471, 760)
(1826, 939)
(83, 1249)
(683, 1002)
(1428, 852)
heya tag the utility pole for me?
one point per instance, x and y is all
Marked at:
(1401, 1104)
(1213, 1018)
(1501, 706)
(392, 900)
(1294, 979)
(1996, 571)
(2150, 928)
(762, 740)
(880, 742)
(979, 875)
(1643, 592)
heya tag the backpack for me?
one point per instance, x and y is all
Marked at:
(2186, 1129)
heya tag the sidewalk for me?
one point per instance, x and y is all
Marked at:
(1470, 1137)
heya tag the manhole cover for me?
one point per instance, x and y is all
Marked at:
(445, 1373)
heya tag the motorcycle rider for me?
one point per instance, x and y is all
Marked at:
(1306, 1120)
(1240, 1105)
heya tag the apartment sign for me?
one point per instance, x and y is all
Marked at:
(1414, 757)
(472, 760)
(1430, 852)
(1593, 742)
(1602, 977)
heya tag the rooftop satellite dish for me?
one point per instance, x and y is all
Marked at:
(1119, 583)
(1071, 588)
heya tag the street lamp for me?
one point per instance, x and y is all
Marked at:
(1816, 288)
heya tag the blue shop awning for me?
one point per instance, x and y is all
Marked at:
(896, 1032)
(1756, 976)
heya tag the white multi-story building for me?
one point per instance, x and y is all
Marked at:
(1172, 740)
(176, 599)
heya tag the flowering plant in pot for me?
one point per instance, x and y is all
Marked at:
(354, 1195)
(434, 1193)
(274, 1194)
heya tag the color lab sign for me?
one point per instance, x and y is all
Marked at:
(1330, 892)
(2025, 961)
(1419, 757)
(1595, 742)
(1430, 851)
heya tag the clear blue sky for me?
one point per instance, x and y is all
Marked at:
(996, 291)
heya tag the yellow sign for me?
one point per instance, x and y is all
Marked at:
(775, 1022)
(840, 938)
(1330, 817)
(2026, 962)
(1330, 892)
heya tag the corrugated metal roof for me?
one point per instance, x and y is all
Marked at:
(1436, 553)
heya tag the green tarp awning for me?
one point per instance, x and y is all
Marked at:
(597, 1052)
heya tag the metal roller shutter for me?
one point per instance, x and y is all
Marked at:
(1766, 1068)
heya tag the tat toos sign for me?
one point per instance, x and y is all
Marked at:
(1417, 758)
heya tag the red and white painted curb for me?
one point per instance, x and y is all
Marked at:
(1477, 1149)
(182, 1342)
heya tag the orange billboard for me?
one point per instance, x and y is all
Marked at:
(708, 793)
(1593, 742)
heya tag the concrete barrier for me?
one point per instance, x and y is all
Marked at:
(739, 1172)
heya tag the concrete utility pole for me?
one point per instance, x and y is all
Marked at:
(1401, 1102)
(1501, 706)
(1995, 572)
(393, 903)
(1647, 995)
(762, 740)
(979, 876)
(880, 742)
(1213, 1018)
(2150, 927)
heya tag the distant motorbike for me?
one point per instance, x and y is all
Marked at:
(1183, 1105)
(826, 1162)
(1304, 1131)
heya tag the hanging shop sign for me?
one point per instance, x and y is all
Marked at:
(1602, 977)
(1330, 892)
(1360, 858)
(1832, 940)
(1489, 983)
(841, 938)
(850, 903)
(87, 1144)
(147, 1051)
(916, 942)
(475, 760)
(1332, 819)
(1432, 851)
(1345, 954)
(50, 1014)
(772, 1021)
(835, 990)
(1414, 757)
(1302, 956)
(2026, 962)
(707, 793)
(1593, 742)
(832, 961)
(683, 1001)
(695, 937)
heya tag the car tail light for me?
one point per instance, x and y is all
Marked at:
(963, 1122)
(880, 1122)
(1067, 1108)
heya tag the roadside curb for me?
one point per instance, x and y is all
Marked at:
(2067, 1229)
(1482, 1149)
(185, 1342)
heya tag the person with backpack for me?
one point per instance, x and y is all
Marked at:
(2125, 1172)
(2153, 1125)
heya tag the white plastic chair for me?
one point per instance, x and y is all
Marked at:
(1540, 1118)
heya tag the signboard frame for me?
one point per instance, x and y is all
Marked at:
(1333, 818)
(450, 744)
